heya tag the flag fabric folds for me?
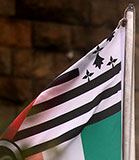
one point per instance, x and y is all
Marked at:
(79, 115)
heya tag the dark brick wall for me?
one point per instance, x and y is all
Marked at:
(36, 37)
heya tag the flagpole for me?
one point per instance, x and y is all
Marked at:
(128, 110)
(132, 150)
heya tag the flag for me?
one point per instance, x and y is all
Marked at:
(79, 115)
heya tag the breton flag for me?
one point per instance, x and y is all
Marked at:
(79, 115)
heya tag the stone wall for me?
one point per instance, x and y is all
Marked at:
(36, 38)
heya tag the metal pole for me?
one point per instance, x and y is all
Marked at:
(129, 122)
(132, 149)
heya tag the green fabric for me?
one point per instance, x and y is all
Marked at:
(102, 140)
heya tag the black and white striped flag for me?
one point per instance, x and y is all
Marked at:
(80, 112)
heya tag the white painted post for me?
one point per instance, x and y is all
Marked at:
(129, 116)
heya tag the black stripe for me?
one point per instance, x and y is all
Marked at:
(105, 114)
(52, 143)
(65, 77)
(77, 91)
(68, 116)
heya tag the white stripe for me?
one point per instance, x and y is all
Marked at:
(107, 103)
(69, 105)
(70, 150)
(54, 132)
(85, 63)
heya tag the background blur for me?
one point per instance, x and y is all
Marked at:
(39, 39)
